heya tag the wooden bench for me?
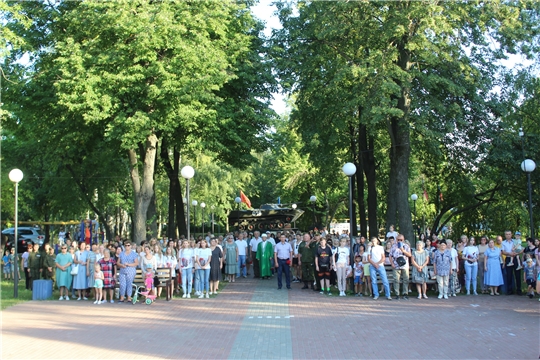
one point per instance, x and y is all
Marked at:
(164, 275)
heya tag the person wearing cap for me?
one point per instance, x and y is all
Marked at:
(283, 254)
(529, 276)
(254, 246)
(264, 254)
(306, 261)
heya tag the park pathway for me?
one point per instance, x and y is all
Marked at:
(251, 319)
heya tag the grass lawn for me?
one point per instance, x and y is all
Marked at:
(7, 298)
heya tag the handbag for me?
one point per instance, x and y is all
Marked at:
(74, 269)
(400, 260)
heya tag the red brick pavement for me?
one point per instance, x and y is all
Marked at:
(322, 327)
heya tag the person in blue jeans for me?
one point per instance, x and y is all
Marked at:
(283, 257)
(376, 266)
(242, 251)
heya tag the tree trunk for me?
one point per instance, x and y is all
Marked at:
(360, 198)
(151, 217)
(178, 198)
(143, 188)
(369, 167)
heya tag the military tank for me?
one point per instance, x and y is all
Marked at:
(268, 217)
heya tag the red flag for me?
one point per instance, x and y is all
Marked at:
(245, 199)
(440, 196)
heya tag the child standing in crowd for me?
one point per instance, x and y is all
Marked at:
(365, 262)
(358, 275)
(98, 283)
(528, 276)
(7, 265)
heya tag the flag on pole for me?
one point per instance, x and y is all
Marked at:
(245, 199)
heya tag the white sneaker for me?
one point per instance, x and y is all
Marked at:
(210, 293)
(446, 297)
(112, 301)
(201, 296)
(189, 296)
(67, 298)
(184, 296)
(99, 302)
(61, 298)
(85, 298)
(207, 296)
(440, 296)
(95, 302)
(196, 293)
(78, 299)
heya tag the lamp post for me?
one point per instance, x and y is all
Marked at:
(528, 167)
(212, 207)
(203, 205)
(194, 203)
(349, 169)
(16, 176)
(237, 200)
(313, 199)
(414, 197)
(187, 173)
(294, 206)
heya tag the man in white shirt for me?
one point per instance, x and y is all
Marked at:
(283, 254)
(253, 244)
(376, 266)
(242, 248)
(513, 275)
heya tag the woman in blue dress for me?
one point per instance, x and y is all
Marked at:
(80, 282)
(63, 272)
(492, 268)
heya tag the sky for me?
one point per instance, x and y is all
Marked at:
(265, 11)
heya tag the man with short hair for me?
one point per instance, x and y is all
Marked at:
(400, 252)
(253, 245)
(305, 261)
(34, 264)
(242, 248)
(282, 258)
(513, 275)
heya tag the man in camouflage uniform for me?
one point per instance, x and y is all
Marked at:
(34, 264)
(48, 262)
(306, 260)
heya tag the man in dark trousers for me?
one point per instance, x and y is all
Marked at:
(34, 265)
(306, 261)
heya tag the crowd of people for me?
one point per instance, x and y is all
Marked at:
(320, 261)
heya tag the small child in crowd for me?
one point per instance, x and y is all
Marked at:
(7, 265)
(528, 275)
(98, 283)
(358, 275)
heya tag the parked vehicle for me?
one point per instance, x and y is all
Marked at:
(27, 235)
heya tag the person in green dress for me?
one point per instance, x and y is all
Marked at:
(264, 253)
(63, 272)
(231, 258)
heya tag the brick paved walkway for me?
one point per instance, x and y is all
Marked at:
(251, 319)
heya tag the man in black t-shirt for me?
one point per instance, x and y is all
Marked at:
(324, 261)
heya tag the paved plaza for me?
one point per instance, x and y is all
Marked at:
(251, 319)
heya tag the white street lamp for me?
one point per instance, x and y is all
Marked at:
(237, 200)
(203, 205)
(528, 167)
(16, 176)
(349, 169)
(313, 199)
(187, 173)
